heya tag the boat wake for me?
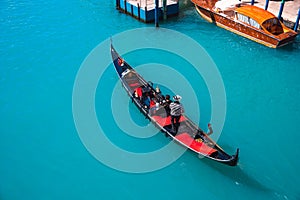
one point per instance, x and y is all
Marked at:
(239, 176)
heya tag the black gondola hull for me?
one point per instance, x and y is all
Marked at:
(132, 82)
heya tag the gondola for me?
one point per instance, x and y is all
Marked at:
(188, 134)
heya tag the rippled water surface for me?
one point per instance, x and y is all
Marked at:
(42, 47)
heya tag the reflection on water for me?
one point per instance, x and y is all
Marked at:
(238, 175)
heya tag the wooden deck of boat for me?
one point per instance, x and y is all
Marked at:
(150, 4)
(144, 10)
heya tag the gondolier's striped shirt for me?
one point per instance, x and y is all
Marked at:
(176, 109)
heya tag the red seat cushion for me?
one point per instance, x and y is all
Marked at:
(138, 91)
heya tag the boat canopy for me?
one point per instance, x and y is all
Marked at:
(258, 14)
(227, 4)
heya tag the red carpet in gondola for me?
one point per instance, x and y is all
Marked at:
(197, 146)
(164, 121)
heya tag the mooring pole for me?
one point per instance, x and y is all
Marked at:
(267, 5)
(139, 11)
(281, 9)
(297, 21)
(165, 9)
(156, 13)
(118, 4)
(125, 5)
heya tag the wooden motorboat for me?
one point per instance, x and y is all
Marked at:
(249, 21)
(188, 134)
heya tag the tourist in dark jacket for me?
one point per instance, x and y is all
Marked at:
(166, 104)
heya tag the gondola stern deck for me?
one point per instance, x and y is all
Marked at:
(120, 65)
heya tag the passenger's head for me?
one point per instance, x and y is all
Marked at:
(167, 97)
(177, 98)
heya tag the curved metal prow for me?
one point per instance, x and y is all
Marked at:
(235, 158)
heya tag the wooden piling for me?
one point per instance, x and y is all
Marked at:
(165, 9)
(118, 4)
(125, 6)
(267, 5)
(139, 11)
(281, 10)
(297, 21)
(156, 13)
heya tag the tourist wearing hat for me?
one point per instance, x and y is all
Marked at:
(176, 112)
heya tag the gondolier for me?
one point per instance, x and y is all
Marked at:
(176, 112)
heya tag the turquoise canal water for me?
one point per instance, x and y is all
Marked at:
(43, 45)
